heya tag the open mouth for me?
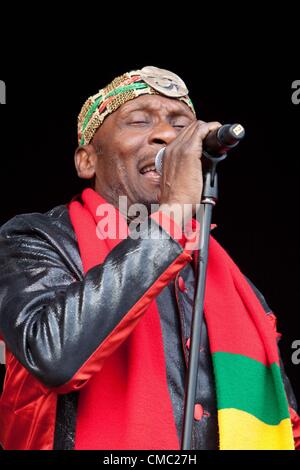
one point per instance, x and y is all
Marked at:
(150, 172)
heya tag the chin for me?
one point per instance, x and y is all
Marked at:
(150, 204)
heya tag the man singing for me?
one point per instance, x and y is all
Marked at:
(96, 319)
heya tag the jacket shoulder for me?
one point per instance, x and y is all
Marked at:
(56, 219)
(51, 231)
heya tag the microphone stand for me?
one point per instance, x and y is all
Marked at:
(209, 200)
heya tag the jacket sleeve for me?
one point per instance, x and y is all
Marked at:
(62, 329)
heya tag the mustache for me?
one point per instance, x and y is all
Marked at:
(145, 159)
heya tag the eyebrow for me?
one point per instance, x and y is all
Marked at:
(148, 107)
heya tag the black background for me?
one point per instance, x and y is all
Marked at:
(258, 207)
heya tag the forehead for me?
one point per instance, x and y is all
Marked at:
(155, 103)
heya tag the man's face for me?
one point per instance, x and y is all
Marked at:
(127, 143)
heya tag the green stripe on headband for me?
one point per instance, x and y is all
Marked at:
(149, 80)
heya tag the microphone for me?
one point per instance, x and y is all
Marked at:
(215, 145)
(223, 139)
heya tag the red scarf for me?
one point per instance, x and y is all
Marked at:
(127, 404)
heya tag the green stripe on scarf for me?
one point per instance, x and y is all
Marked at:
(248, 385)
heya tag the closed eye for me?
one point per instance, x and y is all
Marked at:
(179, 126)
(180, 123)
(138, 122)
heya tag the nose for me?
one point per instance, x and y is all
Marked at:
(163, 133)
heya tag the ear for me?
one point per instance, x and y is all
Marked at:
(85, 161)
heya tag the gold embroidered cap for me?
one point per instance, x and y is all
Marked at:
(148, 80)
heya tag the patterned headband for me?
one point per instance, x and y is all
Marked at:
(147, 81)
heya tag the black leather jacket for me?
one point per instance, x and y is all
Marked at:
(48, 307)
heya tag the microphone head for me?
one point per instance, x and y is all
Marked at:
(219, 141)
(231, 134)
(159, 160)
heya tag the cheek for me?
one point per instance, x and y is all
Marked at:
(128, 148)
(121, 154)
(117, 171)
(130, 144)
(127, 174)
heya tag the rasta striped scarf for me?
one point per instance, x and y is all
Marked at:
(127, 404)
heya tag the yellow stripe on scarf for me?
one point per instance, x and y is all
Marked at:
(242, 431)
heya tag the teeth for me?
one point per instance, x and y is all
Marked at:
(147, 169)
